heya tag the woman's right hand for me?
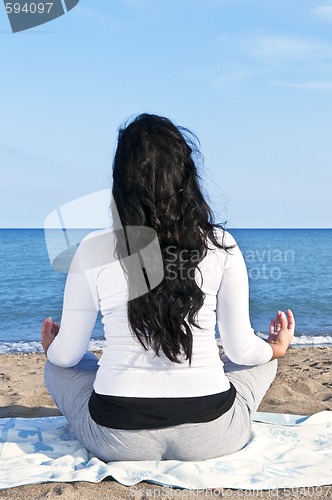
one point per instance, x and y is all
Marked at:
(281, 333)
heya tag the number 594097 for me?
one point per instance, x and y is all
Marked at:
(29, 8)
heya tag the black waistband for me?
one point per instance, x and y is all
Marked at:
(152, 413)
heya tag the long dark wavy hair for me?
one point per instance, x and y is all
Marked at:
(156, 184)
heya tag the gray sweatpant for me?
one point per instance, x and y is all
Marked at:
(70, 388)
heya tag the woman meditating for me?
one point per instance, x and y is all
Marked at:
(160, 391)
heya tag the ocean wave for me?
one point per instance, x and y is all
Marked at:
(35, 347)
(301, 340)
(97, 344)
(307, 340)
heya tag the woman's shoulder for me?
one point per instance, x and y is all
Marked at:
(224, 237)
(96, 249)
(98, 233)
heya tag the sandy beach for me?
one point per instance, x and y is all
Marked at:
(303, 386)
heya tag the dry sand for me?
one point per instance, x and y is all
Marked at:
(303, 386)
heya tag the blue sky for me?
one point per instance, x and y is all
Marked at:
(252, 79)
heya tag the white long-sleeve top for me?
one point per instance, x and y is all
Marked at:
(126, 368)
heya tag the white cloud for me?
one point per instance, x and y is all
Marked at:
(232, 77)
(274, 48)
(312, 85)
(323, 12)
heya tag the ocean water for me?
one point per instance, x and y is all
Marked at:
(290, 268)
(286, 268)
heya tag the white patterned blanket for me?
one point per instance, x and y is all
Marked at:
(286, 451)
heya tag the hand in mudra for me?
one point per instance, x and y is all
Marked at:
(49, 331)
(282, 331)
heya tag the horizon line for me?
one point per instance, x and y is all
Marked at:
(98, 229)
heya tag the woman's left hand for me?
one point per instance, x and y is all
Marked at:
(49, 331)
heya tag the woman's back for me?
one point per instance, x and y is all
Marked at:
(127, 369)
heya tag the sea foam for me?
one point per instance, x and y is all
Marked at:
(97, 344)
